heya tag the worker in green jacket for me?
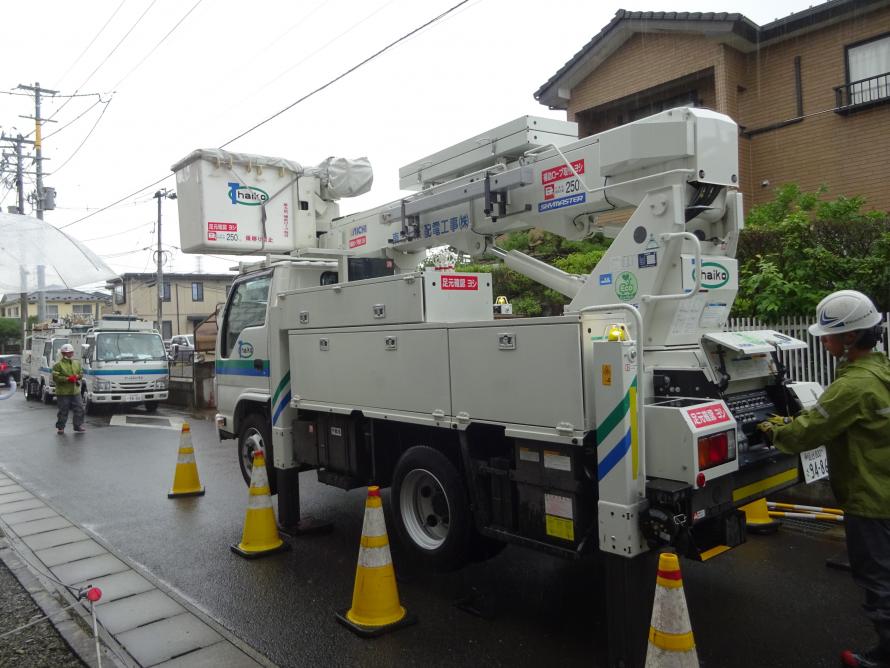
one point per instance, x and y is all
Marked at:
(852, 420)
(67, 375)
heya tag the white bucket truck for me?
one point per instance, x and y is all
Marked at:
(626, 424)
(124, 363)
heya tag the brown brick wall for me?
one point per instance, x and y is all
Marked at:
(846, 153)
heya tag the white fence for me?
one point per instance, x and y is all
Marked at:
(812, 363)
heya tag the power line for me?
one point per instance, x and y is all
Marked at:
(348, 72)
(116, 202)
(288, 107)
(89, 134)
(10, 92)
(155, 47)
(74, 120)
(106, 59)
(117, 234)
(95, 37)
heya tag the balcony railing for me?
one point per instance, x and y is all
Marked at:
(862, 94)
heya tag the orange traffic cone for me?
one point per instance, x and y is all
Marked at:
(260, 536)
(185, 479)
(670, 633)
(375, 598)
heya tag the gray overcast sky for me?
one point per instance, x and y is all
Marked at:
(229, 65)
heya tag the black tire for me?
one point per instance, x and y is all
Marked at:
(255, 431)
(27, 389)
(151, 406)
(431, 510)
(45, 395)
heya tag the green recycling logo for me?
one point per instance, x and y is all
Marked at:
(626, 286)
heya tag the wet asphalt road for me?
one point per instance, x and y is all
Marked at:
(770, 602)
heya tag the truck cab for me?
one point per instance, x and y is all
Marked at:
(124, 363)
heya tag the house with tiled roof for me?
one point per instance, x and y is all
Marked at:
(810, 91)
(60, 303)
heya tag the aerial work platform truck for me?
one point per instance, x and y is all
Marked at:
(624, 425)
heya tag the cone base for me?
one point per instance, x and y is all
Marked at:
(763, 527)
(256, 554)
(172, 494)
(374, 631)
(306, 526)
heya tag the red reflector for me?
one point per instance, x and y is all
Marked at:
(2, 366)
(700, 480)
(714, 450)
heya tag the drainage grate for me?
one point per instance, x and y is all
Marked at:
(809, 526)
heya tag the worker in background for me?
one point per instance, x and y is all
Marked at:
(67, 374)
(852, 419)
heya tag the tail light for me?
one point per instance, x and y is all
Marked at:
(3, 366)
(716, 449)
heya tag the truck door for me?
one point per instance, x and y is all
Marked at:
(242, 363)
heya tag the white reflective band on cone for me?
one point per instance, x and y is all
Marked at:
(670, 615)
(188, 458)
(259, 502)
(374, 524)
(258, 477)
(374, 557)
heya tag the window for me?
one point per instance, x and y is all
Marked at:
(82, 309)
(197, 292)
(52, 310)
(120, 295)
(246, 308)
(868, 71)
(167, 328)
(165, 292)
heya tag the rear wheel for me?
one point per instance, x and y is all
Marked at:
(431, 509)
(256, 433)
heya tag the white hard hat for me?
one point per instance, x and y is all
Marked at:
(67, 348)
(844, 311)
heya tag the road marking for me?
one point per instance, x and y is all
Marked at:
(147, 421)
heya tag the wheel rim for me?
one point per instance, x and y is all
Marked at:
(425, 511)
(253, 440)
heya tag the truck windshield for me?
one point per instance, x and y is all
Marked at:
(115, 346)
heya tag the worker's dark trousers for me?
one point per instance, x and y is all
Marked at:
(868, 546)
(69, 402)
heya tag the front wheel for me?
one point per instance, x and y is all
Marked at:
(89, 407)
(255, 432)
(151, 406)
(431, 508)
(47, 397)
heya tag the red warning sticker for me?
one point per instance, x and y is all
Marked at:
(705, 416)
(459, 282)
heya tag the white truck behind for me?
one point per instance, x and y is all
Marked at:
(124, 363)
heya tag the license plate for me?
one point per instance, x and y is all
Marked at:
(815, 464)
(135, 397)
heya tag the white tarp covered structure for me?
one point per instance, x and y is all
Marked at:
(27, 242)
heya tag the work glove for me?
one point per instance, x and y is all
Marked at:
(779, 420)
(72, 378)
(766, 428)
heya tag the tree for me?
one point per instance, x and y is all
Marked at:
(10, 332)
(799, 247)
(528, 297)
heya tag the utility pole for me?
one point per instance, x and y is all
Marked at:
(38, 147)
(160, 195)
(18, 140)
